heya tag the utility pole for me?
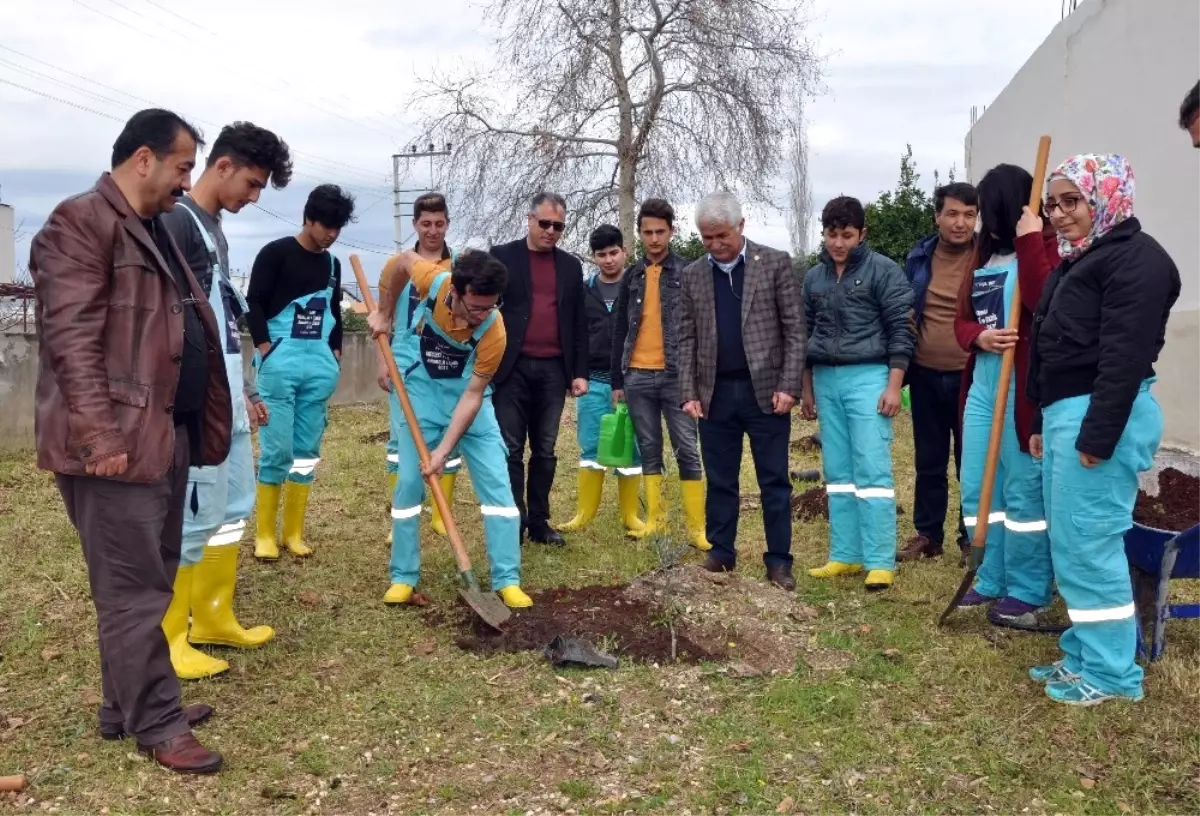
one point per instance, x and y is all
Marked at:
(398, 213)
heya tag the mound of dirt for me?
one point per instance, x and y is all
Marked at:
(1175, 508)
(375, 438)
(754, 627)
(811, 505)
(805, 444)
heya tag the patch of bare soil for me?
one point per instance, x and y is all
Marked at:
(805, 444)
(1176, 507)
(813, 504)
(753, 627)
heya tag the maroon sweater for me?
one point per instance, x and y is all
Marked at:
(1037, 257)
(541, 333)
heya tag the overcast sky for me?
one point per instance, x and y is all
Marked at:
(334, 81)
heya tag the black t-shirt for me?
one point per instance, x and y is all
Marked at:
(193, 369)
(284, 271)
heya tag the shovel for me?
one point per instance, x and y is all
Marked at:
(487, 605)
(979, 542)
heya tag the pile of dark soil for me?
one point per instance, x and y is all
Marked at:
(601, 614)
(813, 504)
(1175, 508)
(805, 444)
(376, 438)
(751, 626)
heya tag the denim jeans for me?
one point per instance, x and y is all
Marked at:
(651, 396)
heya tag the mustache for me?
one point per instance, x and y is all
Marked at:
(177, 192)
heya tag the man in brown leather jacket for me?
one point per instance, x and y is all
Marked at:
(131, 390)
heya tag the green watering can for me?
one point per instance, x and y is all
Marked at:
(615, 448)
(905, 400)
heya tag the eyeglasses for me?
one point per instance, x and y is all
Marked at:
(547, 224)
(1067, 204)
(480, 311)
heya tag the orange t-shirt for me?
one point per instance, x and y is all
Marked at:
(490, 349)
(648, 346)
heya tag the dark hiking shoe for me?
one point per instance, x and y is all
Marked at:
(195, 715)
(781, 576)
(183, 754)
(919, 547)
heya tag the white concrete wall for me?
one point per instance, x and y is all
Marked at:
(1109, 79)
(8, 259)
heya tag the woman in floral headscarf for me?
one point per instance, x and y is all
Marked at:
(1098, 330)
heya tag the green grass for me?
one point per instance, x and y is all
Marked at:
(360, 708)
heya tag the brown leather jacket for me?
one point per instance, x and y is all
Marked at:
(110, 330)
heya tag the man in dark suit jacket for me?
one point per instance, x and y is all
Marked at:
(547, 354)
(741, 369)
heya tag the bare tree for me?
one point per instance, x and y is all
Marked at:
(607, 101)
(799, 188)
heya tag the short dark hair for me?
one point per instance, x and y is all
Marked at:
(330, 206)
(959, 191)
(430, 203)
(1190, 108)
(154, 128)
(542, 197)
(248, 145)
(842, 212)
(480, 272)
(1003, 194)
(657, 208)
(605, 236)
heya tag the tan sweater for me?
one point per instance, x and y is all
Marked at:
(937, 347)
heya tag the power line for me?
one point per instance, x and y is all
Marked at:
(334, 166)
(63, 101)
(290, 222)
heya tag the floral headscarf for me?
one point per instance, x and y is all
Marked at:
(1106, 182)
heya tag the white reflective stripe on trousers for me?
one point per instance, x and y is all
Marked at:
(406, 512)
(304, 467)
(588, 464)
(493, 510)
(993, 518)
(228, 534)
(1025, 526)
(840, 488)
(633, 471)
(453, 463)
(876, 493)
(1113, 613)
(393, 458)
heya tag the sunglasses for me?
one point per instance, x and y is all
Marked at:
(547, 224)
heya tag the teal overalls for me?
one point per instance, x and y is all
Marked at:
(219, 499)
(1016, 562)
(406, 308)
(436, 371)
(296, 378)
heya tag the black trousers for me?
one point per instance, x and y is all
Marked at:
(732, 415)
(131, 536)
(934, 397)
(529, 406)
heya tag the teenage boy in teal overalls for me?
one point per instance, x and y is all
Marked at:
(295, 320)
(447, 361)
(219, 499)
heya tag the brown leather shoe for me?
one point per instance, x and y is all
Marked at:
(714, 564)
(919, 547)
(195, 714)
(183, 754)
(781, 576)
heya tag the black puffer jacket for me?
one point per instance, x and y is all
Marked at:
(1099, 328)
(600, 331)
(866, 317)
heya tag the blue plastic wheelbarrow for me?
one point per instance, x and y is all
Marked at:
(1155, 557)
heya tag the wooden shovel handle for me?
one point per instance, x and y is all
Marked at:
(435, 485)
(979, 541)
(12, 784)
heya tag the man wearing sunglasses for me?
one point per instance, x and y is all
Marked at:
(547, 354)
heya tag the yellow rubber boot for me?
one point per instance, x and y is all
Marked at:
(628, 490)
(834, 569)
(189, 663)
(213, 621)
(591, 485)
(514, 598)
(266, 513)
(295, 505)
(692, 491)
(392, 477)
(447, 482)
(654, 507)
(398, 594)
(878, 580)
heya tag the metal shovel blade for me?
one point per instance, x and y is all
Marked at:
(487, 605)
(967, 580)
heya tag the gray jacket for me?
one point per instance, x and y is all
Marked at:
(627, 315)
(866, 317)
